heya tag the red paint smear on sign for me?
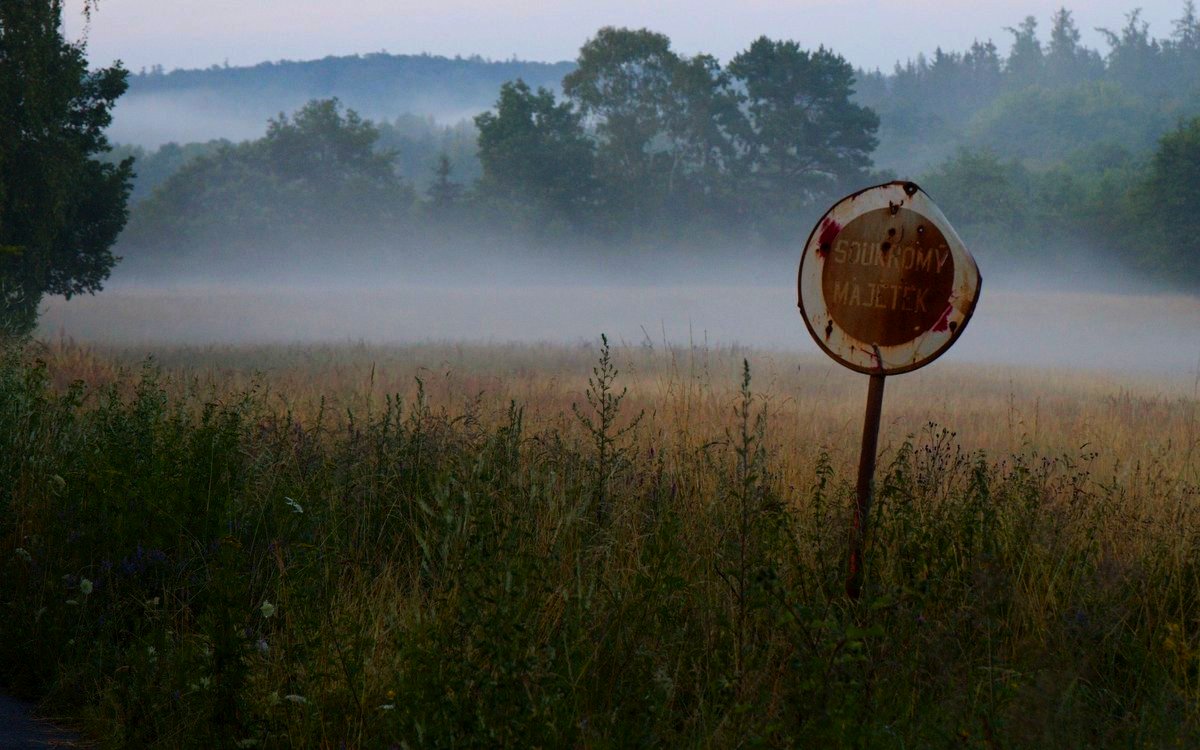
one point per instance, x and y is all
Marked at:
(943, 323)
(829, 231)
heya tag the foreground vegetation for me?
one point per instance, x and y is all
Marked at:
(195, 555)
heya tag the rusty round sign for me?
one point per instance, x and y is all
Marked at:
(886, 285)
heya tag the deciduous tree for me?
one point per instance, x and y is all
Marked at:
(60, 208)
(315, 172)
(624, 85)
(534, 151)
(806, 138)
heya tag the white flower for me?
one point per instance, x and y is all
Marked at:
(263, 647)
(294, 505)
(297, 699)
(85, 586)
(267, 609)
(72, 603)
(152, 653)
(387, 707)
(21, 553)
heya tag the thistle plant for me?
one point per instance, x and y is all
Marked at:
(601, 426)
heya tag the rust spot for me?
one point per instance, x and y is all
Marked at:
(895, 207)
(829, 329)
(829, 232)
(910, 189)
(885, 247)
(953, 326)
(891, 232)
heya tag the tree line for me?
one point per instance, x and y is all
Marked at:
(643, 145)
(1049, 96)
(376, 85)
(640, 147)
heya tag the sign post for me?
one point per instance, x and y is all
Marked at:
(886, 286)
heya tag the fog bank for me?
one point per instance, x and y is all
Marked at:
(1104, 330)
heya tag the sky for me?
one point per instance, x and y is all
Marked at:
(869, 33)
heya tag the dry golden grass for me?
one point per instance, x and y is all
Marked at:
(1128, 420)
(1079, 603)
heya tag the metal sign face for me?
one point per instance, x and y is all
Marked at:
(885, 284)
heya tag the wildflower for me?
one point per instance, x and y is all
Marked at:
(21, 553)
(263, 647)
(202, 684)
(57, 483)
(299, 700)
(391, 695)
(85, 586)
(72, 603)
(267, 608)
(152, 653)
(295, 506)
(387, 707)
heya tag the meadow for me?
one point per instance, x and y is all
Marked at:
(538, 545)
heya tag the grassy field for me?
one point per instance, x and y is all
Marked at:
(440, 545)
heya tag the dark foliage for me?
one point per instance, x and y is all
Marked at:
(61, 209)
(194, 570)
(1047, 152)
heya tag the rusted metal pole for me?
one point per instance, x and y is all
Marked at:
(866, 485)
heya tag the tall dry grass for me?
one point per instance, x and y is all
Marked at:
(1126, 419)
(454, 555)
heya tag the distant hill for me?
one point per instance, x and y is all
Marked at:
(235, 102)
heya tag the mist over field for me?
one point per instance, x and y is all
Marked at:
(395, 214)
(275, 213)
(1074, 314)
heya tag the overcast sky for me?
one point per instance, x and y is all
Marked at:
(869, 33)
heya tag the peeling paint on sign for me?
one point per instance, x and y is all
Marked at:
(885, 283)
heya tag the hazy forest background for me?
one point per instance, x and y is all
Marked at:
(334, 459)
(1038, 148)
